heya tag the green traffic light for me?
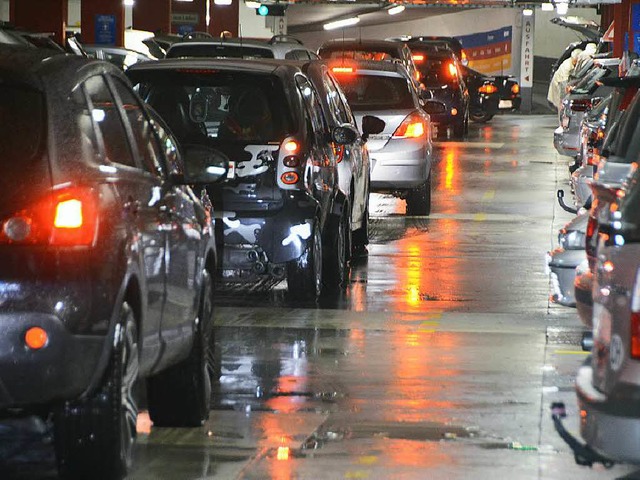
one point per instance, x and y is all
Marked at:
(263, 10)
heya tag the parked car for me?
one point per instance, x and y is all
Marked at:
(106, 257)
(587, 31)
(447, 97)
(451, 43)
(490, 95)
(121, 57)
(279, 47)
(284, 214)
(401, 153)
(371, 50)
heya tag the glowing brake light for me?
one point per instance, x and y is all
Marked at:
(36, 338)
(488, 88)
(342, 69)
(515, 89)
(418, 58)
(68, 214)
(291, 146)
(452, 70)
(412, 127)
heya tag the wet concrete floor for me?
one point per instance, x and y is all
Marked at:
(440, 360)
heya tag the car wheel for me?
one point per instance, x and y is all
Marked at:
(180, 396)
(419, 199)
(480, 117)
(336, 260)
(304, 274)
(360, 238)
(94, 437)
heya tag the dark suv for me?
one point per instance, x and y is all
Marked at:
(284, 214)
(106, 261)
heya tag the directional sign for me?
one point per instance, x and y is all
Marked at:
(526, 55)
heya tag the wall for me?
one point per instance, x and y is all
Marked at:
(4, 10)
(252, 25)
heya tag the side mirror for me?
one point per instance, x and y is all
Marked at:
(344, 134)
(371, 126)
(203, 165)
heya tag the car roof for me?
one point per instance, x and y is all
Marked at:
(266, 66)
(353, 42)
(279, 43)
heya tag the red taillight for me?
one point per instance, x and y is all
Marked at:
(289, 178)
(67, 217)
(453, 71)
(338, 152)
(414, 126)
(635, 334)
(342, 70)
(515, 89)
(418, 58)
(291, 146)
(488, 88)
(580, 105)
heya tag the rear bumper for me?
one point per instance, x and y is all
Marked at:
(61, 370)
(565, 142)
(607, 425)
(562, 265)
(584, 299)
(400, 165)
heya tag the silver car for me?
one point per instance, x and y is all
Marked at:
(400, 156)
(562, 262)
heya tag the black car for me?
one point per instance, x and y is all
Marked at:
(445, 92)
(106, 259)
(451, 43)
(284, 214)
(490, 95)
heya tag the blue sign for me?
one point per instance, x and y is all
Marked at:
(184, 29)
(106, 29)
(635, 17)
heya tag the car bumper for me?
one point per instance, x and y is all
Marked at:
(562, 265)
(580, 180)
(603, 425)
(400, 165)
(565, 142)
(62, 369)
(584, 299)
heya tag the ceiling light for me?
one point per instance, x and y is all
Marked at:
(128, 3)
(562, 8)
(222, 2)
(396, 10)
(252, 4)
(546, 7)
(347, 22)
(527, 12)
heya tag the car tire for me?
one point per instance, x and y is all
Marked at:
(480, 117)
(304, 274)
(360, 237)
(338, 251)
(180, 396)
(94, 437)
(419, 199)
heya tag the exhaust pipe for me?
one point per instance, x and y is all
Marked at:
(259, 267)
(277, 271)
(252, 256)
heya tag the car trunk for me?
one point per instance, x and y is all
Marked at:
(392, 120)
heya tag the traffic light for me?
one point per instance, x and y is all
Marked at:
(271, 10)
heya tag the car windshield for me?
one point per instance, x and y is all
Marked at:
(358, 54)
(219, 51)
(22, 120)
(205, 106)
(372, 92)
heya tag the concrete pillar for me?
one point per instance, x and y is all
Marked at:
(41, 16)
(621, 17)
(152, 15)
(189, 16)
(225, 18)
(102, 22)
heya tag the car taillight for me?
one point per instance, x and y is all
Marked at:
(63, 218)
(289, 164)
(515, 89)
(413, 126)
(580, 105)
(418, 58)
(343, 70)
(488, 88)
(453, 71)
(635, 318)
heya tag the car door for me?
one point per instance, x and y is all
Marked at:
(173, 207)
(139, 196)
(323, 173)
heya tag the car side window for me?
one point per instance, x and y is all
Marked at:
(104, 112)
(334, 99)
(297, 55)
(90, 145)
(312, 104)
(145, 141)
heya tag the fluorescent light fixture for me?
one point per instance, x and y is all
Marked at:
(562, 8)
(396, 10)
(347, 22)
(222, 2)
(128, 3)
(546, 7)
(527, 12)
(252, 4)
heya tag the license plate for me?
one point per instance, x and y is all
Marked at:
(505, 104)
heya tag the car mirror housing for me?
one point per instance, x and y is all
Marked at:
(371, 126)
(203, 165)
(344, 134)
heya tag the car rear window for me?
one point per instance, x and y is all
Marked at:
(22, 123)
(219, 51)
(435, 71)
(205, 106)
(372, 92)
(359, 54)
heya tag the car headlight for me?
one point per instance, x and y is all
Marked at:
(572, 240)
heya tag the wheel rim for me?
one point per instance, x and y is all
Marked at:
(342, 251)
(129, 409)
(317, 260)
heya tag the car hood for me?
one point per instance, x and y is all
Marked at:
(588, 29)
